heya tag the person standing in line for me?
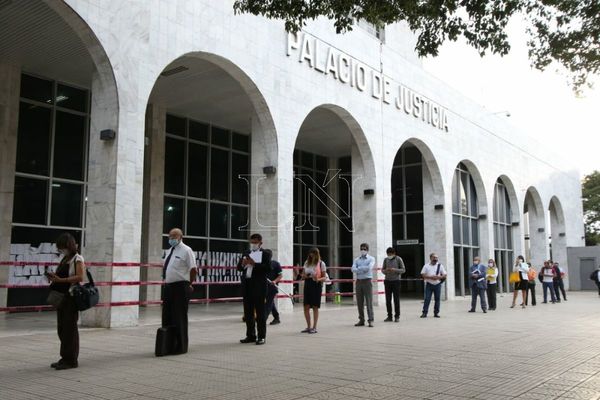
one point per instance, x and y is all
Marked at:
(313, 275)
(531, 275)
(274, 276)
(179, 273)
(478, 284)
(363, 268)
(522, 285)
(255, 264)
(70, 271)
(596, 278)
(393, 268)
(492, 283)
(434, 274)
(547, 274)
(559, 285)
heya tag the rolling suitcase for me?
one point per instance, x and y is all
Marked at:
(165, 341)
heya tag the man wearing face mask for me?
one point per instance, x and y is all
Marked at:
(363, 268)
(179, 273)
(434, 274)
(254, 265)
(393, 268)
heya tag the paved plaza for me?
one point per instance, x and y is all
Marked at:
(544, 352)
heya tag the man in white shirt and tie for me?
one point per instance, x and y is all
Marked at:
(179, 272)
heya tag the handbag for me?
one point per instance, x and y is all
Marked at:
(55, 298)
(514, 277)
(86, 296)
(442, 280)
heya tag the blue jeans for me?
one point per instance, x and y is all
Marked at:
(548, 285)
(436, 290)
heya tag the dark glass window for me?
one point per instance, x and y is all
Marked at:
(219, 220)
(220, 136)
(33, 142)
(414, 227)
(172, 214)
(323, 232)
(36, 89)
(307, 159)
(240, 165)
(69, 146)
(397, 190)
(239, 222)
(72, 98)
(196, 218)
(240, 142)
(414, 188)
(219, 174)
(198, 131)
(197, 170)
(67, 200)
(412, 155)
(321, 163)
(30, 201)
(174, 166)
(398, 227)
(175, 125)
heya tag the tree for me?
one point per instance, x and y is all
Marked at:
(563, 32)
(591, 208)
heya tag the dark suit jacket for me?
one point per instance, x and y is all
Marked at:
(481, 284)
(260, 270)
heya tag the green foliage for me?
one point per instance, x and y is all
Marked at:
(565, 32)
(591, 208)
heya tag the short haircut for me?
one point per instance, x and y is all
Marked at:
(256, 236)
(390, 250)
(365, 245)
(431, 255)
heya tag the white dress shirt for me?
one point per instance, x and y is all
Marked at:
(429, 269)
(182, 261)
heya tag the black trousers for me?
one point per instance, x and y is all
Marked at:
(392, 289)
(176, 297)
(491, 295)
(270, 305)
(66, 318)
(559, 287)
(255, 295)
(530, 294)
(598, 284)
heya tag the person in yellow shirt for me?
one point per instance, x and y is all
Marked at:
(492, 278)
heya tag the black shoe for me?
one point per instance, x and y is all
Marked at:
(397, 319)
(370, 324)
(61, 366)
(56, 364)
(248, 340)
(275, 322)
(388, 319)
(485, 311)
(545, 302)
(360, 323)
(471, 310)
(436, 316)
(423, 315)
(260, 342)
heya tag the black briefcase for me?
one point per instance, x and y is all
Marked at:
(165, 341)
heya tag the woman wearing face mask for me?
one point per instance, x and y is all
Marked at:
(313, 275)
(522, 285)
(492, 278)
(70, 271)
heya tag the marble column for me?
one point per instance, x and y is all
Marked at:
(10, 80)
(154, 183)
(114, 201)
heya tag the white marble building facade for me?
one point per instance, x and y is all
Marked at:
(354, 95)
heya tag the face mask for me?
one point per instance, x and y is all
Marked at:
(391, 257)
(363, 252)
(254, 247)
(434, 261)
(490, 264)
(173, 242)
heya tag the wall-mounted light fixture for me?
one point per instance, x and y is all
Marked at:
(108, 134)
(269, 170)
(541, 230)
(515, 224)
(438, 207)
(482, 216)
(562, 234)
(369, 192)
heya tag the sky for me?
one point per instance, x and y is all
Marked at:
(540, 103)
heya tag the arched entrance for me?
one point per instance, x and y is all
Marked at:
(506, 217)
(557, 234)
(416, 189)
(332, 168)
(209, 135)
(57, 92)
(534, 227)
(468, 207)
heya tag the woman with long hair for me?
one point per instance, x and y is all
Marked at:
(69, 272)
(522, 285)
(313, 275)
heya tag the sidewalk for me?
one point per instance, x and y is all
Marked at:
(543, 352)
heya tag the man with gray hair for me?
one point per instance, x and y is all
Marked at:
(179, 272)
(363, 268)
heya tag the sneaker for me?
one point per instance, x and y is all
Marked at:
(485, 311)
(436, 316)
(312, 331)
(370, 324)
(397, 319)
(423, 315)
(388, 319)
(260, 342)
(360, 323)
(307, 330)
(471, 310)
(275, 322)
